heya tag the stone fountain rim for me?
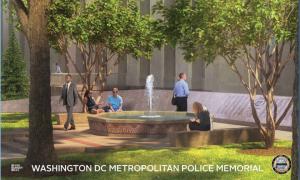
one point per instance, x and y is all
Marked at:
(101, 118)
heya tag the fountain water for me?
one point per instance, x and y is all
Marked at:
(149, 89)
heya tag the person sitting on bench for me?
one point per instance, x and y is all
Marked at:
(91, 104)
(201, 121)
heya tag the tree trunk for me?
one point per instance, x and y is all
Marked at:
(40, 148)
(295, 156)
(268, 131)
(295, 149)
(270, 123)
(269, 138)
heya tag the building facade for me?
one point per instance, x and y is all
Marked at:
(165, 64)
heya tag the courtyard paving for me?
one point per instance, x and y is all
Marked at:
(14, 144)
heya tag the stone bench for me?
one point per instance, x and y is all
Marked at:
(214, 137)
(79, 118)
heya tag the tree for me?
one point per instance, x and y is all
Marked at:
(14, 81)
(33, 23)
(103, 31)
(257, 37)
(295, 119)
(295, 156)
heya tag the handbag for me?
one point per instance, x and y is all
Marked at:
(173, 101)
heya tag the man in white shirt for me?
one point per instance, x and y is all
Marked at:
(57, 67)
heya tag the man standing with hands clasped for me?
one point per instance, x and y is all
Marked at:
(69, 96)
(181, 92)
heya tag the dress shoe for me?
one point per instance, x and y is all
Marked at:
(72, 128)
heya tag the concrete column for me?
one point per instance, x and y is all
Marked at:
(198, 75)
(25, 49)
(169, 60)
(122, 72)
(285, 82)
(79, 60)
(219, 77)
(157, 67)
(144, 70)
(4, 30)
(183, 66)
(1, 29)
(157, 60)
(133, 72)
(168, 2)
(145, 7)
(112, 79)
(72, 50)
(144, 63)
(169, 67)
(56, 57)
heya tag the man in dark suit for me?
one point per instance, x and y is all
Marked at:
(69, 96)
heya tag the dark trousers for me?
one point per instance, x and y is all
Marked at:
(70, 119)
(199, 126)
(181, 103)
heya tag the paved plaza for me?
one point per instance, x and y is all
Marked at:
(14, 143)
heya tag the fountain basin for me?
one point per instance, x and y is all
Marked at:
(138, 123)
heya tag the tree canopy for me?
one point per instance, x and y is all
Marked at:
(205, 29)
(112, 24)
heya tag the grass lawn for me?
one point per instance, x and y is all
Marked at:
(10, 121)
(216, 155)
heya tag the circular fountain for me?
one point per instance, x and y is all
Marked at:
(139, 123)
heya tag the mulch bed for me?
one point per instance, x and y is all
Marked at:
(27, 171)
(268, 152)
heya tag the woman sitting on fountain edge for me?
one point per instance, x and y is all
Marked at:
(91, 104)
(201, 121)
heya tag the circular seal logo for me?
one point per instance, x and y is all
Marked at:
(281, 164)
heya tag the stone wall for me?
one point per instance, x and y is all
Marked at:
(214, 137)
(225, 107)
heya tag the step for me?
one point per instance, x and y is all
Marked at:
(10, 135)
(14, 147)
(24, 141)
(78, 131)
(79, 118)
(78, 126)
(66, 148)
(21, 140)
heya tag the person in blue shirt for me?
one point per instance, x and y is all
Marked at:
(115, 101)
(181, 92)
